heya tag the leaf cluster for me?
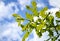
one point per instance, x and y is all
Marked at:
(45, 22)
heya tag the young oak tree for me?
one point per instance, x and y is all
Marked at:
(45, 22)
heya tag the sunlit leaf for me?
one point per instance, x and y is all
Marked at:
(29, 16)
(42, 12)
(25, 36)
(50, 20)
(19, 24)
(15, 15)
(39, 27)
(34, 4)
(58, 27)
(58, 14)
(33, 25)
(35, 12)
(24, 27)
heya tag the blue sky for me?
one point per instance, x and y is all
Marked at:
(9, 30)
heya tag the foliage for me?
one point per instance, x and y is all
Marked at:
(43, 24)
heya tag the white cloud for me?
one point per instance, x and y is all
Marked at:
(11, 31)
(39, 5)
(55, 3)
(23, 3)
(6, 11)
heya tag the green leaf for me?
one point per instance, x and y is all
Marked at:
(18, 19)
(35, 12)
(34, 4)
(25, 36)
(42, 12)
(51, 18)
(58, 27)
(54, 38)
(39, 20)
(58, 39)
(39, 34)
(15, 15)
(33, 25)
(43, 30)
(29, 16)
(57, 21)
(50, 33)
(24, 28)
(41, 26)
(50, 21)
(28, 7)
(19, 24)
(58, 14)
